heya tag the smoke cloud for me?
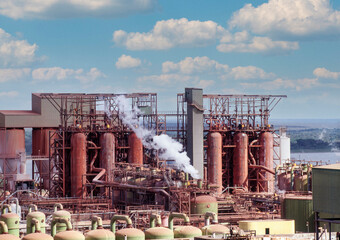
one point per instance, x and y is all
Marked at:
(168, 148)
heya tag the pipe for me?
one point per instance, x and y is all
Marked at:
(250, 154)
(127, 219)
(32, 206)
(92, 168)
(4, 227)
(263, 168)
(292, 177)
(207, 217)
(96, 222)
(4, 207)
(155, 220)
(178, 215)
(58, 205)
(36, 225)
(60, 220)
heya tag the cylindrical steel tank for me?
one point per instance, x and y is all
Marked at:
(203, 204)
(39, 216)
(215, 160)
(69, 234)
(136, 150)
(240, 160)
(301, 183)
(107, 153)
(41, 147)
(60, 214)
(4, 232)
(187, 232)
(266, 159)
(37, 234)
(128, 233)
(78, 164)
(97, 232)
(284, 181)
(12, 220)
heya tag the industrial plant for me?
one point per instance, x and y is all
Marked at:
(114, 160)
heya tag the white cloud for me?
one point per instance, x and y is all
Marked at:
(204, 65)
(194, 65)
(15, 52)
(249, 72)
(280, 83)
(243, 42)
(205, 83)
(292, 18)
(171, 33)
(127, 62)
(325, 73)
(58, 73)
(51, 9)
(9, 94)
(164, 79)
(13, 74)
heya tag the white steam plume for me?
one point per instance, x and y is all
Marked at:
(168, 148)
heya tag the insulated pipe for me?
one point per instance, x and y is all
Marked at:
(92, 168)
(155, 220)
(263, 168)
(250, 154)
(4, 207)
(178, 215)
(4, 227)
(292, 177)
(96, 222)
(60, 220)
(207, 217)
(32, 206)
(36, 225)
(58, 205)
(127, 219)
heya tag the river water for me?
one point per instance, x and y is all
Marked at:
(328, 157)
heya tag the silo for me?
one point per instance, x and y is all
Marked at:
(266, 159)
(136, 150)
(240, 160)
(41, 147)
(215, 160)
(78, 164)
(107, 153)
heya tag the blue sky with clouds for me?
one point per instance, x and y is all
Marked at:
(286, 47)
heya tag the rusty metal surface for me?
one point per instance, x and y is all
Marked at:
(107, 153)
(78, 164)
(266, 158)
(136, 150)
(215, 160)
(12, 142)
(240, 160)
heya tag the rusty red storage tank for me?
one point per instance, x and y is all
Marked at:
(215, 160)
(12, 143)
(78, 164)
(240, 160)
(136, 150)
(107, 153)
(42, 138)
(266, 158)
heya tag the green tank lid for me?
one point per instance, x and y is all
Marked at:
(215, 228)
(37, 236)
(100, 234)
(69, 235)
(159, 233)
(36, 215)
(131, 233)
(62, 214)
(187, 232)
(9, 216)
(8, 237)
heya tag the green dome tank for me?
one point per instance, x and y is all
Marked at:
(99, 233)
(69, 235)
(215, 228)
(12, 220)
(37, 236)
(187, 232)
(159, 233)
(5, 235)
(130, 233)
(203, 204)
(61, 214)
(35, 215)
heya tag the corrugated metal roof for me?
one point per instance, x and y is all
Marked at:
(331, 166)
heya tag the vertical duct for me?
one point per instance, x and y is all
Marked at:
(194, 99)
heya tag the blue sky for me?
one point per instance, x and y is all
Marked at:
(286, 47)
